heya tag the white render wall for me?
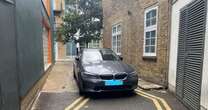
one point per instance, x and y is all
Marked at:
(174, 52)
(204, 90)
(175, 16)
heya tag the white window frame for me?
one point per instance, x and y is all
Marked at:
(115, 35)
(94, 44)
(149, 29)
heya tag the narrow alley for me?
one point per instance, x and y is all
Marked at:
(60, 92)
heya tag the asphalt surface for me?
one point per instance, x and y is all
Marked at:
(118, 101)
(60, 92)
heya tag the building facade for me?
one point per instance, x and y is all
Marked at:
(60, 47)
(66, 51)
(26, 45)
(189, 53)
(138, 31)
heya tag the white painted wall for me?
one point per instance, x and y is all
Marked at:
(175, 16)
(204, 90)
(174, 51)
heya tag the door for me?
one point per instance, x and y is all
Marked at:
(190, 53)
(71, 49)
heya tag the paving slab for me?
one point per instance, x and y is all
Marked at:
(148, 85)
(54, 101)
(60, 89)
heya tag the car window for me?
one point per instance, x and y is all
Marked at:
(109, 55)
(93, 56)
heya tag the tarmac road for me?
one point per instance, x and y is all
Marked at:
(60, 92)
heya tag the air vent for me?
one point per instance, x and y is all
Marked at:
(190, 53)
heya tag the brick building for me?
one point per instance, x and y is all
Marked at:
(62, 50)
(138, 30)
(66, 51)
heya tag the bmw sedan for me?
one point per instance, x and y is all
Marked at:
(101, 70)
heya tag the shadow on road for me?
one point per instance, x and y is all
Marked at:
(110, 95)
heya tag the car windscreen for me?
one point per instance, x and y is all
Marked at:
(93, 56)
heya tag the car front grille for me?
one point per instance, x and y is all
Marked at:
(106, 77)
(116, 76)
(113, 87)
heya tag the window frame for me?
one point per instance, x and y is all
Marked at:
(116, 34)
(149, 29)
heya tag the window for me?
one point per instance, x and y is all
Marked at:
(94, 44)
(116, 39)
(150, 32)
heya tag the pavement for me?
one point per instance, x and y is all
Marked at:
(60, 92)
(145, 85)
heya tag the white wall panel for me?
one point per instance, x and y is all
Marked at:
(175, 16)
(204, 90)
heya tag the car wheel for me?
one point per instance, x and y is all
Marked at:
(74, 75)
(81, 90)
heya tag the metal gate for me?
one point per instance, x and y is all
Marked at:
(190, 53)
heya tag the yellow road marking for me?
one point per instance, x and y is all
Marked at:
(75, 103)
(167, 107)
(78, 107)
(156, 103)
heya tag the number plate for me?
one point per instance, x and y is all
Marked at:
(113, 82)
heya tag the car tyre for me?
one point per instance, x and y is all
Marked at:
(74, 75)
(81, 91)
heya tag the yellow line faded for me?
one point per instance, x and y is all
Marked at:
(78, 107)
(75, 103)
(156, 103)
(167, 107)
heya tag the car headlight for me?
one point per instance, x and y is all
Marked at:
(133, 74)
(89, 75)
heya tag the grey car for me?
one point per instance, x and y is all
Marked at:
(101, 70)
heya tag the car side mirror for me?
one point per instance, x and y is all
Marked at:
(77, 58)
(121, 58)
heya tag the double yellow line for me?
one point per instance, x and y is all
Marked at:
(159, 103)
(156, 100)
(78, 103)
